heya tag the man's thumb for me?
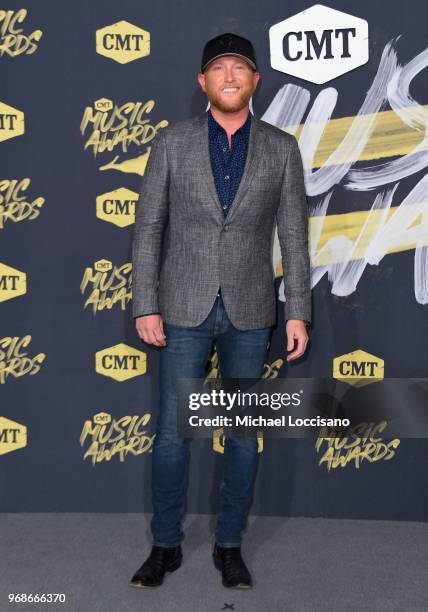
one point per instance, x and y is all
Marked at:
(161, 326)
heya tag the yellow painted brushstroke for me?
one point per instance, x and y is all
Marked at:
(350, 226)
(390, 137)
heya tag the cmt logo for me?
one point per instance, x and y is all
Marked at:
(102, 418)
(121, 362)
(103, 105)
(358, 368)
(117, 207)
(103, 265)
(122, 42)
(12, 282)
(11, 122)
(219, 440)
(319, 44)
(12, 436)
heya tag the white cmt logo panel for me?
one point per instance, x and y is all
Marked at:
(319, 44)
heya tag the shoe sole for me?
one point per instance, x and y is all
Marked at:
(239, 586)
(170, 568)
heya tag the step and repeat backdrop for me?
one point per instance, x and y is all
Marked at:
(85, 90)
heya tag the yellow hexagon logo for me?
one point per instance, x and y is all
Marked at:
(13, 435)
(122, 42)
(358, 368)
(103, 265)
(103, 105)
(219, 438)
(11, 122)
(102, 418)
(118, 206)
(12, 282)
(121, 362)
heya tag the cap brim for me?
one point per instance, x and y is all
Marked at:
(252, 64)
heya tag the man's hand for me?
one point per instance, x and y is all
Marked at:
(150, 329)
(296, 330)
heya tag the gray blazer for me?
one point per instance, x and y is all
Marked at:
(184, 249)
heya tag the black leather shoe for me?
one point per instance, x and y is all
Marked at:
(233, 569)
(160, 560)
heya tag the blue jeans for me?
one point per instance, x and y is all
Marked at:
(241, 354)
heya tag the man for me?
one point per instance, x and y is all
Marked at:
(212, 190)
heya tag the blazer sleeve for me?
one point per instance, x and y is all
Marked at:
(151, 217)
(292, 222)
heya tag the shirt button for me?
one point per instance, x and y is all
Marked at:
(224, 149)
(227, 177)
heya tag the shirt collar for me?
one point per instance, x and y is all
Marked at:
(244, 130)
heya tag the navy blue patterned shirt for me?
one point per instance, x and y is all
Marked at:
(227, 163)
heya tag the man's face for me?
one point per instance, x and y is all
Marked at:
(229, 83)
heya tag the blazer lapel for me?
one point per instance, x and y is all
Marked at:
(254, 153)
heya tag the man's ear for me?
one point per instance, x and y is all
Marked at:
(201, 80)
(256, 78)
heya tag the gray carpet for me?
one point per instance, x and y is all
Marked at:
(298, 564)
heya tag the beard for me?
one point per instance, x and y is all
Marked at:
(234, 104)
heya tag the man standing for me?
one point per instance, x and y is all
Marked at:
(213, 188)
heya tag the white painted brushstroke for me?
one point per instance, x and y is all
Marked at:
(415, 116)
(288, 107)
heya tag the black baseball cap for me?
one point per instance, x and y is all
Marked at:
(228, 44)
